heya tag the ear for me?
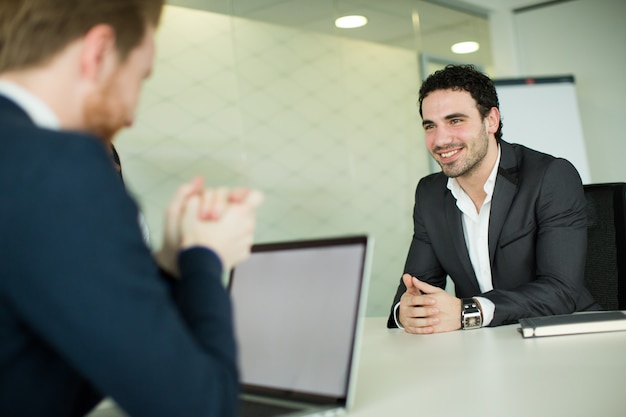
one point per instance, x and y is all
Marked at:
(98, 56)
(493, 120)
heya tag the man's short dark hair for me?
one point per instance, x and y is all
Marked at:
(464, 78)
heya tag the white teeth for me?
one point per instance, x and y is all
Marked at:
(448, 154)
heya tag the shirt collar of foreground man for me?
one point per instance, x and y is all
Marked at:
(36, 109)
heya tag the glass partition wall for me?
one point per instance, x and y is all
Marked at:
(272, 94)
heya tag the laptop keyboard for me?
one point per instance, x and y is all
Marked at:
(249, 408)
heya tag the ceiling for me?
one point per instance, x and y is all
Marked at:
(392, 22)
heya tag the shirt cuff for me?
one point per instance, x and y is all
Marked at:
(487, 308)
(395, 316)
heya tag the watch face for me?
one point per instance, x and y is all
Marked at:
(472, 321)
(470, 314)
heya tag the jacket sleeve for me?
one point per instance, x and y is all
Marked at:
(559, 252)
(87, 285)
(421, 261)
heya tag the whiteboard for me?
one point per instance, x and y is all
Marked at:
(542, 113)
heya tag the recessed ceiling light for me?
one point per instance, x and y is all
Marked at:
(351, 22)
(465, 47)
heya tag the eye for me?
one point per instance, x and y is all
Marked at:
(455, 121)
(429, 126)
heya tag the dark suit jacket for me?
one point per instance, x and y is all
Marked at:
(537, 238)
(84, 312)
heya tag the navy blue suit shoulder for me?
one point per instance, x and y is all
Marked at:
(84, 312)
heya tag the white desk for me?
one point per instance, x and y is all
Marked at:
(490, 372)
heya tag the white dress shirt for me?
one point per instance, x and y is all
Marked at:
(476, 232)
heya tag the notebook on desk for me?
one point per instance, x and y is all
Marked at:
(298, 308)
(576, 323)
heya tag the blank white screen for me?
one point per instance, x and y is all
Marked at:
(295, 312)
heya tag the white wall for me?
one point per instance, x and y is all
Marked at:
(327, 127)
(584, 38)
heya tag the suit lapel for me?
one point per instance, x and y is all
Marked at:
(454, 220)
(503, 194)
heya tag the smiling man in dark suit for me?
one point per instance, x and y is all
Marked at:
(506, 223)
(85, 311)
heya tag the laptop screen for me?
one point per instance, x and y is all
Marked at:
(296, 307)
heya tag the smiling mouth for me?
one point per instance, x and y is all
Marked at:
(449, 153)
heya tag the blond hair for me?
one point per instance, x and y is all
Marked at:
(34, 31)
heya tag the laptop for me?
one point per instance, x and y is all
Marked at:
(298, 308)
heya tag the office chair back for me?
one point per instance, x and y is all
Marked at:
(605, 270)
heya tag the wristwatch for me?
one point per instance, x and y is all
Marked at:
(471, 316)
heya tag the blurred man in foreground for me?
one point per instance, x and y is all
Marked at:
(85, 312)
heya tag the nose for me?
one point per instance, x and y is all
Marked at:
(440, 137)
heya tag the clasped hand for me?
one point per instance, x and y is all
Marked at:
(428, 309)
(222, 220)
